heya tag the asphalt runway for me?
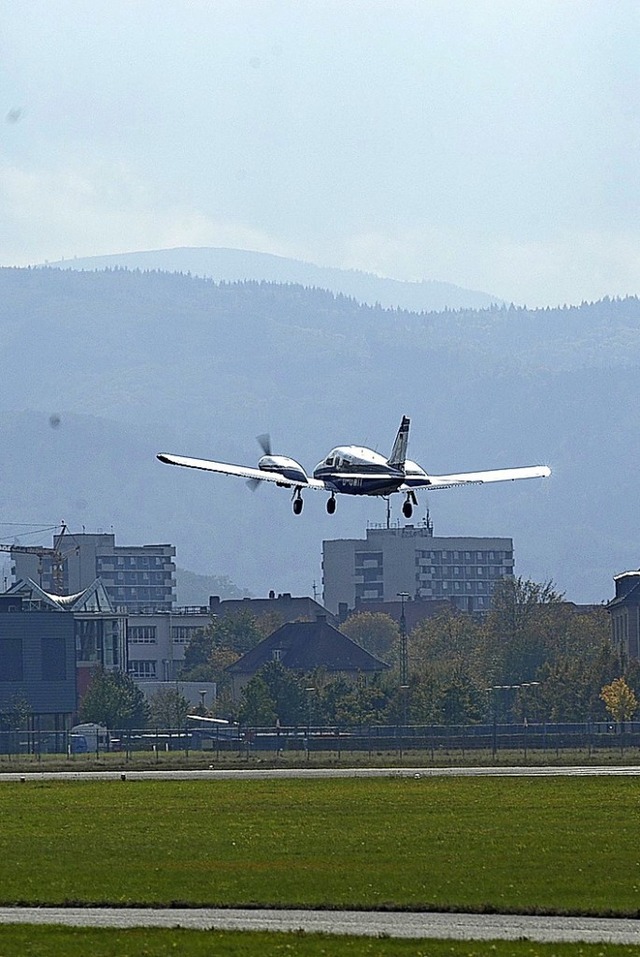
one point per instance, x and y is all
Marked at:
(364, 923)
(216, 774)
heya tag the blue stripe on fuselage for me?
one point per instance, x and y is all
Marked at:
(375, 485)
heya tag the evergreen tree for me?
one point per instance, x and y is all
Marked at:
(258, 708)
(276, 693)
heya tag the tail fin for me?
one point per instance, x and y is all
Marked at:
(399, 452)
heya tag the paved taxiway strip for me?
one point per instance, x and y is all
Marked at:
(215, 774)
(365, 923)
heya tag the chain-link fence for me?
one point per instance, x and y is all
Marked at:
(431, 740)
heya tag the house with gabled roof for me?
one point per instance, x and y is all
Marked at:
(305, 646)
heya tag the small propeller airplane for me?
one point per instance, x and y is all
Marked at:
(353, 470)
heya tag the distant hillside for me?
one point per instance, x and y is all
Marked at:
(195, 590)
(99, 371)
(237, 265)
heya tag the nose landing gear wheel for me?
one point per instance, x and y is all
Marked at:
(297, 506)
(331, 505)
(407, 505)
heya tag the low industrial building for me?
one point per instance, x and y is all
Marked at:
(157, 641)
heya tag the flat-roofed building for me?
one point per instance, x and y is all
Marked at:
(157, 641)
(410, 559)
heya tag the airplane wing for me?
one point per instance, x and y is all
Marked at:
(477, 478)
(240, 471)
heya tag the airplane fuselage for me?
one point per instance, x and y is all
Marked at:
(355, 470)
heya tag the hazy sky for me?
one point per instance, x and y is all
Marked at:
(487, 143)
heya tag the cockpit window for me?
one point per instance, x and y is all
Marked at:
(329, 461)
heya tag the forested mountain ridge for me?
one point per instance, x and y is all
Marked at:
(134, 363)
(238, 265)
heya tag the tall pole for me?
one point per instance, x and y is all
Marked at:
(403, 595)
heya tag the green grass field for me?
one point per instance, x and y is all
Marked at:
(614, 755)
(28, 941)
(554, 845)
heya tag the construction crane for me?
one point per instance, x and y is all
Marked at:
(57, 555)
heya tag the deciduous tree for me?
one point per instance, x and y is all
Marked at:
(376, 632)
(114, 700)
(168, 708)
(619, 700)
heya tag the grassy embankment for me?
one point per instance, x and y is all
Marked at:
(614, 755)
(68, 942)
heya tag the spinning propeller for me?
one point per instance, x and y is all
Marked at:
(264, 441)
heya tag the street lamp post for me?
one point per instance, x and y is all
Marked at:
(525, 685)
(308, 691)
(525, 722)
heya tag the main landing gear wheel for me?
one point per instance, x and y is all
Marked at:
(297, 502)
(331, 505)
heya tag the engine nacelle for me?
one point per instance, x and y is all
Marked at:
(415, 474)
(285, 466)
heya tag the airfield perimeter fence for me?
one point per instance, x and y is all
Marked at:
(271, 743)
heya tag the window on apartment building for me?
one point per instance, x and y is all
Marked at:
(182, 634)
(371, 574)
(142, 634)
(141, 670)
(368, 560)
(53, 661)
(89, 640)
(11, 651)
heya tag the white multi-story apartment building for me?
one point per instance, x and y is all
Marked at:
(409, 559)
(137, 578)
